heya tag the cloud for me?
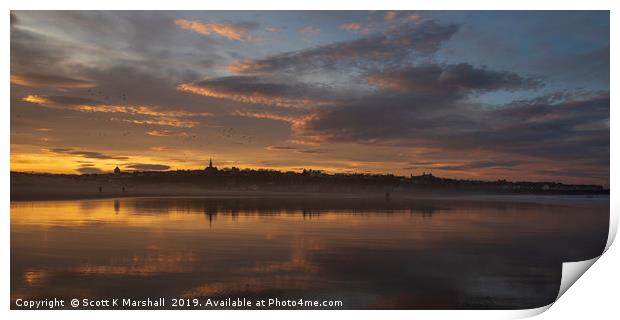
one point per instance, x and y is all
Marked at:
(296, 121)
(148, 167)
(166, 133)
(168, 122)
(275, 29)
(14, 19)
(31, 51)
(395, 44)
(89, 170)
(314, 151)
(481, 165)
(298, 149)
(86, 154)
(574, 130)
(237, 32)
(58, 101)
(400, 86)
(142, 110)
(256, 90)
(414, 18)
(310, 30)
(416, 102)
(280, 148)
(390, 15)
(304, 142)
(434, 79)
(354, 27)
(36, 99)
(402, 15)
(154, 115)
(31, 79)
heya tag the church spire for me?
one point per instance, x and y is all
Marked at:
(211, 168)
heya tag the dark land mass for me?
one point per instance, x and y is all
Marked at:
(235, 182)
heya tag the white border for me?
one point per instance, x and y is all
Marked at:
(595, 294)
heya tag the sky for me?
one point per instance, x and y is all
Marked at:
(517, 95)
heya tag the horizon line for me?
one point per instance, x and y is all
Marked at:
(320, 171)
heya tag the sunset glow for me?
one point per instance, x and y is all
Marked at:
(473, 95)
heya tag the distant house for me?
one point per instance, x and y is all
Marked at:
(211, 168)
(117, 170)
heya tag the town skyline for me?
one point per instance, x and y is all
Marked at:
(213, 170)
(468, 95)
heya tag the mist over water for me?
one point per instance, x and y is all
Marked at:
(405, 254)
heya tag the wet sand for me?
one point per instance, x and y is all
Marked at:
(53, 187)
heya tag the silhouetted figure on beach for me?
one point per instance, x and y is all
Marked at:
(100, 188)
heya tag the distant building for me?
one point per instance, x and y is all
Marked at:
(211, 168)
(312, 173)
(117, 170)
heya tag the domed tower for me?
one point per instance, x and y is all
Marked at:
(117, 170)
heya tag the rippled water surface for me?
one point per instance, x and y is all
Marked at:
(368, 253)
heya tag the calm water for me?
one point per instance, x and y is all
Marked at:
(369, 254)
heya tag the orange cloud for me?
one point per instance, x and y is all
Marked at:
(227, 30)
(140, 110)
(157, 116)
(249, 97)
(36, 99)
(170, 122)
(247, 66)
(295, 121)
(166, 133)
(43, 80)
(311, 141)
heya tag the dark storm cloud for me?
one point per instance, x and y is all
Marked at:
(393, 45)
(148, 167)
(86, 154)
